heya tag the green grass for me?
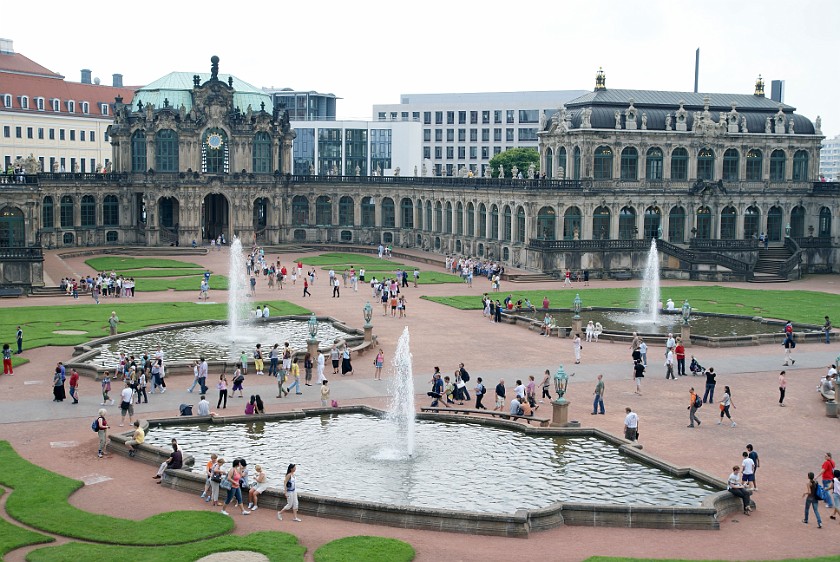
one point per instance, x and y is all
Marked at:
(340, 260)
(426, 277)
(12, 536)
(798, 306)
(17, 360)
(39, 322)
(171, 272)
(153, 284)
(40, 499)
(278, 547)
(369, 549)
(111, 263)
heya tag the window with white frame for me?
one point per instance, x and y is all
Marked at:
(71, 106)
(24, 102)
(7, 100)
(85, 107)
(55, 104)
(39, 103)
(104, 107)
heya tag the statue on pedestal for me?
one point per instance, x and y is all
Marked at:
(617, 119)
(586, 120)
(744, 124)
(501, 171)
(397, 172)
(644, 121)
(818, 125)
(531, 171)
(488, 172)
(358, 171)
(423, 170)
(667, 121)
(767, 126)
(514, 172)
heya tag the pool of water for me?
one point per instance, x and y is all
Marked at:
(458, 466)
(629, 321)
(215, 343)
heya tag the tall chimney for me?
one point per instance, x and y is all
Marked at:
(117, 81)
(86, 76)
(696, 69)
(7, 46)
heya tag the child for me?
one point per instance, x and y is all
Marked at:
(106, 388)
(7, 360)
(325, 394)
(243, 360)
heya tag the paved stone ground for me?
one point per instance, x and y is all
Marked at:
(791, 440)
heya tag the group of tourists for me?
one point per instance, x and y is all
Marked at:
(99, 285)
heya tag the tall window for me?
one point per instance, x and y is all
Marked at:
(706, 164)
(355, 152)
(138, 151)
(652, 221)
(800, 165)
(601, 223)
(774, 224)
(345, 211)
(754, 165)
(676, 225)
(389, 218)
(323, 211)
(380, 148)
(549, 163)
(561, 162)
(731, 162)
(777, 165)
(629, 164)
(520, 225)
(459, 218)
(88, 212)
(66, 212)
(797, 221)
(602, 169)
(447, 218)
(482, 221)
(679, 164)
(494, 223)
(48, 213)
(260, 214)
(546, 223)
(300, 211)
(728, 220)
(261, 154)
(704, 223)
(368, 212)
(571, 223)
(11, 228)
(438, 217)
(110, 211)
(428, 224)
(166, 151)
(653, 164)
(407, 210)
(627, 223)
(215, 152)
(576, 163)
(507, 224)
(752, 222)
(824, 230)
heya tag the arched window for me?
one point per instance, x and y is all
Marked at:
(704, 223)
(546, 223)
(679, 164)
(571, 224)
(774, 224)
(629, 164)
(429, 216)
(389, 219)
(752, 222)
(728, 220)
(627, 223)
(215, 152)
(825, 223)
(494, 223)
(549, 163)
(676, 225)
(438, 216)
(110, 211)
(66, 211)
(602, 167)
(576, 164)
(706, 164)
(777, 165)
(407, 209)
(520, 225)
(48, 213)
(797, 222)
(300, 211)
(11, 228)
(507, 224)
(346, 211)
(754, 165)
(652, 222)
(470, 219)
(459, 218)
(447, 218)
(138, 151)
(800, 165)
(731, 163)
(166, 151)
(482, 221)
(262, 153)
(653, 164)
(601, 223)
(323, 211)
(260, 218)
(368, 212)
(88, 211)
(561, 163)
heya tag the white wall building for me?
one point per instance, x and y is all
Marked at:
(467, 130)
(830, 159)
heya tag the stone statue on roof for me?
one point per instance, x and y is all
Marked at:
(790, 126)
(780, 121)
(744, 124)
(488, 172)
(644, 121)
(182, 112)
(667, 121)
(542, 120)
(617, 119)
(531, 171)
(818, 125)
(767, 126)
(586, 120)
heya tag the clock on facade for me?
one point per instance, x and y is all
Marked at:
(215, 141)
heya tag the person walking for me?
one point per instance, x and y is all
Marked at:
(295, 375)
(335, 358)
(19, 340)
(346, 365)
(782, 388)
(290, 486)
(320, 364)
(598, 403)
(74, 386)
(113, 322)
(377, 363)
(480, 391)
(638, 375)
(827, 470)
(238, 379)
(679, 351)
(7, 360)
(669, 365)
(306, 288)
(725, 404)
(576, 344)
(827, 330)
(546, 385)
(127, 403)
(709, 394)
(693, 404)
(500, 396)
(811, 499)
(274, 360)
(58, 386)
(307, 369)
(631, 425)
(789, 345)
(234, 478)
(102, 432)
(223, 393)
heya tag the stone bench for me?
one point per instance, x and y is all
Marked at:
(543, 422)
(622, 275)
(10, 292)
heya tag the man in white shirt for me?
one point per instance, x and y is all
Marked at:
(747, 470)
(265, 313)
(127, 403)
(321, 361)
(631, 425)
(519, 389)
(203, 406)
(670, 344)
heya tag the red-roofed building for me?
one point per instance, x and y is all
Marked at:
(62, 124)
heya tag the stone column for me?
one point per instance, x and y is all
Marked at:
(312, 348)
(685, 333)
(559, 413)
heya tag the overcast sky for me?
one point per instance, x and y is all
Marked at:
(371, 51)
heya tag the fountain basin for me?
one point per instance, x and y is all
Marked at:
(342, 473)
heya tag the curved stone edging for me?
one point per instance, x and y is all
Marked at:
(519, 524)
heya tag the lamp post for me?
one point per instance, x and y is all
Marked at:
(686, 327)
(367, 313)
(312, 343)
(560, 406)
(576, 321)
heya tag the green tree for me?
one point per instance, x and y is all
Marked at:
(519, 157)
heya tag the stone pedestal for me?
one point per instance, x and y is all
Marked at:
(577, 324)
(368, 332)
(685, 333)
(312, 348)
(559, 414)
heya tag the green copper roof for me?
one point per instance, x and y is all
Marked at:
(177, 88)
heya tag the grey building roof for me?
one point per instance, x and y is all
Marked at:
(176, 87)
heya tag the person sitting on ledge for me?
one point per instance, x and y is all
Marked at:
(174, 462)
(736, 488)
(136, 439)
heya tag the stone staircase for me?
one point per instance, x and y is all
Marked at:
(768, 267)
(529, 277)
(46, 292)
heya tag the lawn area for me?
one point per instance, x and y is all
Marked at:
(426, 277)
(799, 306)
(39, 322)
(340, 260)
(153, 284)
(369, 549)
(12, 536)
(111, 263)
(171, 272)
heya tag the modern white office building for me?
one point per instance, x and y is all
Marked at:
(466, 130)
(830, 159)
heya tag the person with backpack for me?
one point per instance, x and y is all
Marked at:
(100, 426)
(789, 344)
(812, 494)
(694, 403)
(465, 377)
(480, 391)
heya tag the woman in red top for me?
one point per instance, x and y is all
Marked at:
(827, 471)
(680, 353)
(74, 386)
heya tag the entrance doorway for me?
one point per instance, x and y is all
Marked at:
(216, 215)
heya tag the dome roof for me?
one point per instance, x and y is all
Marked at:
(177, 88)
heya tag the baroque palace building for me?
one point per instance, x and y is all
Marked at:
(197, 156)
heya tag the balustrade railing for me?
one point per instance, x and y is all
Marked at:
(747, 244)
(30, 253)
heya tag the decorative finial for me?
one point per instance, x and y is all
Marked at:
(139, 105)
(759, 87)
(600, 80)
(196, 80)
(262, 106)
(214, 67)
(165, 102)
(230, 81)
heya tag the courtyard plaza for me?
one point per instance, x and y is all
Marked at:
(791, 441)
